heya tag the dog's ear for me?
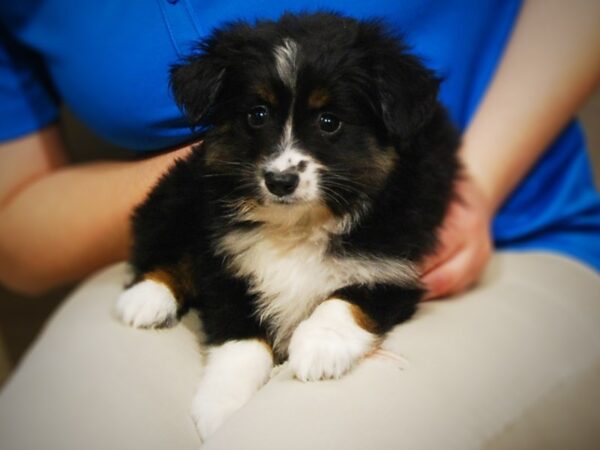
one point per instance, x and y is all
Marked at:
(407, 91)
(196, 84)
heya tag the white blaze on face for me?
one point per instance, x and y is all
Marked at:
(286, 62)
(289, 156)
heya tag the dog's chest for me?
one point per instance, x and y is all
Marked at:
(291, 274)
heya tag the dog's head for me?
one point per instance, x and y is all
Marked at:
(311, 110)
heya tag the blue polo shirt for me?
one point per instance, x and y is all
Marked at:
(109, 61)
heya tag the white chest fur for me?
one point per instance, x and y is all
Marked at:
(292, 273)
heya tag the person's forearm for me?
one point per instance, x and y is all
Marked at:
(550, 66)
(73, 221)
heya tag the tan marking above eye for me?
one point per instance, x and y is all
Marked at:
(266, 94)
(318, 98)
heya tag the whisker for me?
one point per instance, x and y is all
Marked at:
(342, 187)
(335, 197)
(346, 180)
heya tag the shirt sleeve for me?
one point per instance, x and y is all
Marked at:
(27, 100)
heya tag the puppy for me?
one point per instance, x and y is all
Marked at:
(296, 226)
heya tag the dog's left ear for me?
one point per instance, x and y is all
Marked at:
(196, 85)
(407, 90)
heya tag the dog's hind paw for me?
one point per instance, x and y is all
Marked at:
(148, 304)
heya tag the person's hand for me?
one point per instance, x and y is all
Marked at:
(465, 244)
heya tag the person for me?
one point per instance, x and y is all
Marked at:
(514, 74)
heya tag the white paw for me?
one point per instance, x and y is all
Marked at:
(147, 304)
(234, 372)
(328, 344)
(211, 409)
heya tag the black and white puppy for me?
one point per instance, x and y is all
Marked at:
(296, 227)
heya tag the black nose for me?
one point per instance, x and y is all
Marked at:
(281, 183)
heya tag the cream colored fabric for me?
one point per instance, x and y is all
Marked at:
(4, 362)
(567, 417)
(512, 364)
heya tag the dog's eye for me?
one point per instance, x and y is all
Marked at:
(258, 116)
(329, 123)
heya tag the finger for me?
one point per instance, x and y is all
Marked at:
(454, 275)
(448, 246)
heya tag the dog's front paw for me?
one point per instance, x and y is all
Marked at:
(329, 343)
(234, 372)
(147, 304)
(211, 409)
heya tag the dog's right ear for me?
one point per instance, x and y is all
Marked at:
(406, 90)
(196, 84)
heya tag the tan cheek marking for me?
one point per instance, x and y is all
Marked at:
(318, 98)
(363, 320)
(381, 164)
(244, 208)
(386, 159)
(284, 221)
(217, 155)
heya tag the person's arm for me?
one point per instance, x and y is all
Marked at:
(551, 65)
(58, 222)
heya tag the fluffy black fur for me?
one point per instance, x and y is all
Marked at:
(391, 166)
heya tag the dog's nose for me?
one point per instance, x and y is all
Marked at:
(281, 183)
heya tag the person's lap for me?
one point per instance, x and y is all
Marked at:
(497, 367)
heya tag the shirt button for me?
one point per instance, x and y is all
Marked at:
(172, 2)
